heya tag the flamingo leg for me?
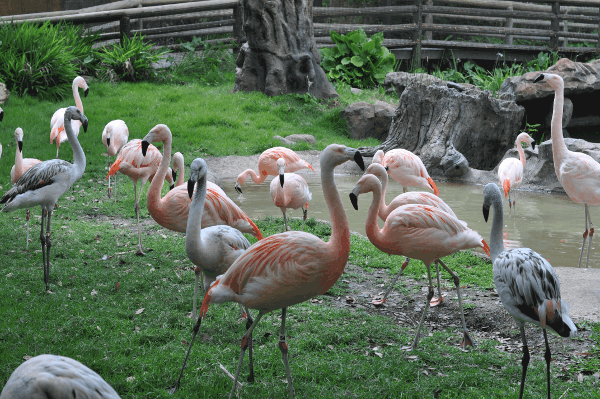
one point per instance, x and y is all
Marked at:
(467, 341)
(116, 187)
(585, 234)
(139, 252)
(109, 189)
(249, 322)
(27, 217)
(48, 246)
(285, 221)
(43, 241)
(305, 213)
(509, 201)
(436, 301)
(525, 361)
(591, 236)
(548, 358)
(429, 296)
(284, 352)
(378, 302)
(198, 272)
(245, 342)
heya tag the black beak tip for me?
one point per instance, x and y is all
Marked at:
(190, 188)
(539, 78)
(354, 201)
(1, 116)
(486, 213)
(174, 175)
(281, 180)
(85, 126)
(20, 146)
(359, 160)
(239, 190)
(108, 142)
(145, 146)
(533, 145)
(85, 93)
(171, 187)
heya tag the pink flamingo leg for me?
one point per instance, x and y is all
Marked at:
(305, 215)
(378, 302)
(436, 301)
(429, 296)
(284, 352)
(43, 241)
(27, 217)
(48, 245)
(109, 189)
(525, 361)
(246, 339)
(585, 235)
(139, 252)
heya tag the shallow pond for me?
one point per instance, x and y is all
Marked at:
(547, 223)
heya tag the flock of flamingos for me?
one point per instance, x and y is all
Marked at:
(294, 266)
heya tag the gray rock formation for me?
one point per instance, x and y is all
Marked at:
(454, 163)
(431, 119)
(399, 81)
(295, 138)
(369, 120)
(280, 56)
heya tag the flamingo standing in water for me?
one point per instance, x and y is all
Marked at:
(421, 232)
(114, 136)
(510, 171)
(413, 197)
(44, 183)
(57, 126)
(267, 166)
(287, 268)
(406, 168)
(136, 166)
(527, 285)
(50, 376)
(578, 173)
(290, 191)
(172, 210)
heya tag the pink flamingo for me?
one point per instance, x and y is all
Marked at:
(267, 166)
(578, 173)
(178, 167)
(134, 165)
(406, 168)
(57, 127)
(510, 171)
(418, 231)
(21, 165)
(287, 268)
(172, 210)
(290, 191)
(413, 197)
(114, 136)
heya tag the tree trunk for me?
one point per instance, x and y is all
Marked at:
(280, 56)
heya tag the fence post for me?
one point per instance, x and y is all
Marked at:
(317, 3)
(598, 44)
(238, 26)
(554, 26)
(125, 28)
(509, 24)
(140, 23)
(417, 19)
(565, 29)
(428, 20)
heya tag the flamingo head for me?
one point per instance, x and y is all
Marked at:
(281, 170)
(108, 130)
(73, 113)
(80, 82)
(19, 138)
(336, 154)
(198, 170)
(554, 81)
(527, 139)
(1, 114)
(366, 183)
(491, 197)
(378, 157)
(158, 133)
(377, 169)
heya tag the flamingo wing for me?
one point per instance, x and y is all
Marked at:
(425, 217)
(36, 177)
(220, 209)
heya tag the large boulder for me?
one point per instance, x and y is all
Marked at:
(369, 120)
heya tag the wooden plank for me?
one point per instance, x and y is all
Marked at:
(506, 13)
(179, 28)
(227, 13)
(321, 29)
(349, 12)
(116, 5)
(554, 25)
(482, 30)
(190, 33)
(508, 39)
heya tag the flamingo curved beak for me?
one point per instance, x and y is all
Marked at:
(354, 200)
(281, 179)
(145, 146)
(486, 212)
(191, 187)
(1, 115)
(108, 142)
(539, 78)
(85, 125)
(239, 189)
(359, 160)
(86, 91)
(171, 187)
(533, 145)
(20, 146)
(174, 174)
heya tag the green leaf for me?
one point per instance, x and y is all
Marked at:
(357, 61)
(345, 60)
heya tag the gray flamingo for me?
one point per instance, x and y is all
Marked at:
(44, 183)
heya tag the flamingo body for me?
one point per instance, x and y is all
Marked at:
(510, 171)
(290, 191)
(407, 169)
(57, 126)
(115, 136)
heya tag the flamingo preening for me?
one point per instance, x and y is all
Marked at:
(50, 376)
(527, 285)
(57, 126)
(178, 168)
(421, 232)
(287, 268)
(412, 197)
(578, 173)
(21, 165)
(290, 191)
(510, 171)
(267, 166)
(44, 183)
(114, 136)
(406, 168)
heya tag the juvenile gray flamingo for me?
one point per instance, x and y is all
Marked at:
(44, 183)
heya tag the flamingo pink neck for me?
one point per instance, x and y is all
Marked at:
(18, 163)
(384, 210)
(181, 177)
(371, 227)
(559, 148)
(255, 178)
(521, 153)
(153, 197)
(78, 102)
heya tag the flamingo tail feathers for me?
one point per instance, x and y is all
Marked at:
(433, 186)
(486, 247)
(206, 300)
(114, 168)
(506, 187)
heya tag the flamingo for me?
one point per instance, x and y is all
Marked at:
(133, 164)
(1, 116)
(178, 167)
(267, 166)
(413, 197)
(51, 376)
(293, 194)
(287, 268)
(172, 210)
(527, 284)
(418, 231)
(406, 168)
(510, 171)
(20, 166)
(57, 127)
(578, 173)
(44, 183)
(114, 136)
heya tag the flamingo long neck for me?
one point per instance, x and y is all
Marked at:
(78, 102)
(496, 237)
(383, 208)
(153, 199)
(193, 241)
(521, 153)
(339, 242)
(181, 177)
(371, 227)
(559, 148)
(78, 155)
(255, 178)
(18, 162)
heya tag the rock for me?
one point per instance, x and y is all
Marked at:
(432, 119)
(4, 93)
(215, 178)
(294, 138)
(369, 120)
(354, 90)
(399, 81)
(454, 163)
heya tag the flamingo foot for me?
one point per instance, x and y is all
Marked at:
(436, 301)
(140, 252)
(378, 301)
(243, 318)
(467, 341)
(407, 348)
(109, 192)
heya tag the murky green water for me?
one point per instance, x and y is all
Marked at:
(549, 224)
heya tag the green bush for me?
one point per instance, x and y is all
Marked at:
(131, 61)
(356, 60)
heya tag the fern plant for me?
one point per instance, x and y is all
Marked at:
(357, 60)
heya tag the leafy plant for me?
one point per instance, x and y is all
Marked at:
(357, 60)
(131, 61)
